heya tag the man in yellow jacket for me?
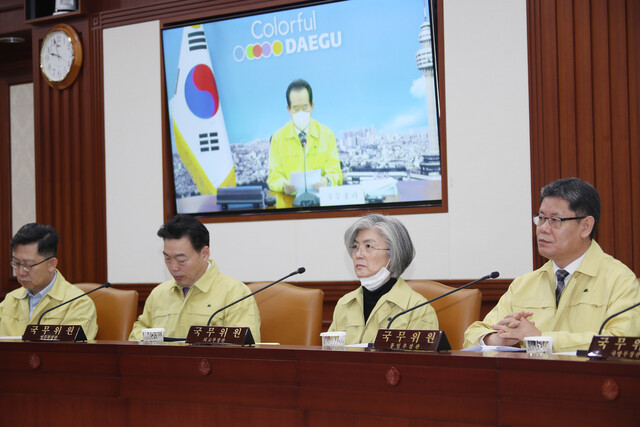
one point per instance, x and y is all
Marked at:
(34, 259)
(198, 288)
(570, 296)
(302, 140)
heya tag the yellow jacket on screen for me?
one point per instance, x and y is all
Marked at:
(348, 315)
(166, 307)
(14, 310)
(600, 287)
(286, 155)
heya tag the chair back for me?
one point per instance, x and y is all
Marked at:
(455, 312)
(117, 310)
(289, 314)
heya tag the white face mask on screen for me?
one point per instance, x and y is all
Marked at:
(301, 119)
(374, 282)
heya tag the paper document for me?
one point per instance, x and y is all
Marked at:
(494, 348)
(297, 180)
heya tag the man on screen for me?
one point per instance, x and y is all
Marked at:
(302, 137)
(197, 289)
(34, 251)
(570, 296)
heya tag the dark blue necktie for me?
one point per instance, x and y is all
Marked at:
(303, 138)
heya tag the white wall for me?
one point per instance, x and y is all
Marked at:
(23, 163)
(487, 228)
(133, 153)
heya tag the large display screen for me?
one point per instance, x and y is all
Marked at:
(322, 107)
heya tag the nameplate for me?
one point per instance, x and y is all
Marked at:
(605, 347)
(411, 340)
(209, 335)
(341, 195)
(54, 333)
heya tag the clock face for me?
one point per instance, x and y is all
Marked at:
(61, 56)
(56, 56)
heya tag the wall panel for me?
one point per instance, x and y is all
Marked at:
(583, 71)
(633, 46)
(69, 151)
(17, 73)
(23, 181)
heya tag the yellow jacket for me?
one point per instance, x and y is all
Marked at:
(348, 315)
(167, 308)
(14, 310)
(286, 155)
(600, 287)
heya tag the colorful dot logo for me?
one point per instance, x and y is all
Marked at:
(201, 92)
(258, 50)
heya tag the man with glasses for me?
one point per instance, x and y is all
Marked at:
(302, 140)
(34, 261)
(570, 296)
(197, 289)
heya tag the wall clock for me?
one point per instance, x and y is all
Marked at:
(61, 56)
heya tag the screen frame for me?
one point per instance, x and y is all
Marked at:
(242, 8)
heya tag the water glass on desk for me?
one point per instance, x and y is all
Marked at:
(539, 346)
(333, 340)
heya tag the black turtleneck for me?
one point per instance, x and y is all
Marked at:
(370, 298)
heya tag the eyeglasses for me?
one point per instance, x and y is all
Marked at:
(367, 249)
(298, 108)
(27, 267)
(555, 222)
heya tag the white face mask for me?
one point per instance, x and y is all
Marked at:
(301, 119)
(374, 282)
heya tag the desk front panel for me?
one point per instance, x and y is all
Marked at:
(400, 385)
(55, 383)
(123, 383)
(568, 391)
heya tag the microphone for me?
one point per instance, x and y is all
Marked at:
(293, 273)
(488, 276)
(614, 315)
(106, 285)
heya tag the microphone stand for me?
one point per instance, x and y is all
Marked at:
(614, 315)
(298, 271)
(106, 285)
(488, 276)
(307, 198)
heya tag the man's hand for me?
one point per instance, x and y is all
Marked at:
(512, 329)
(495, 339)
(324, 181)
(287, 188)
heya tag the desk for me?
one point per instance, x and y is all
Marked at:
(408, 191)
(121, 383)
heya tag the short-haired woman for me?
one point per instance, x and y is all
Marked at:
(381, 250)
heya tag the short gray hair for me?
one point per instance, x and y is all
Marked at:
(401, 248)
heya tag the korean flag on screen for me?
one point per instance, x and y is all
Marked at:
(196, 117)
